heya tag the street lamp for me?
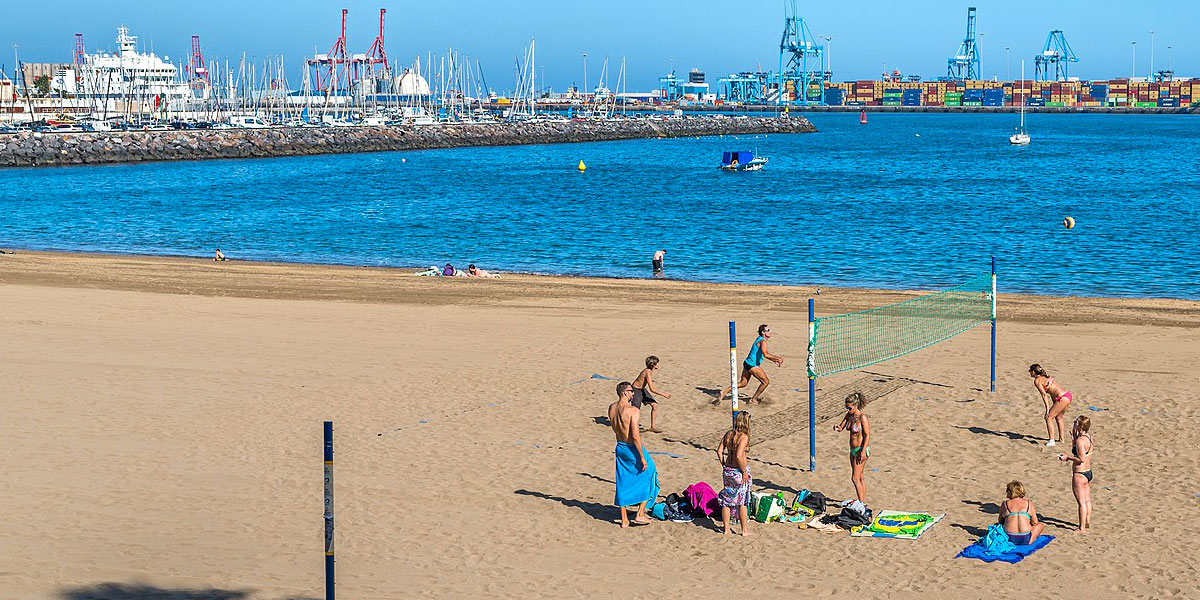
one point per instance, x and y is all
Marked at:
(828, 54)
(1151, 55)
(1134, 44)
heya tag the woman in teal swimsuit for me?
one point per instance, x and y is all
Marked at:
(1018, 517)
(860, 441)
(753, 366)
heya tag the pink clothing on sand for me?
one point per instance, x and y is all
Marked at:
(702, 497)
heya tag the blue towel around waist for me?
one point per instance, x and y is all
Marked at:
(634, 487)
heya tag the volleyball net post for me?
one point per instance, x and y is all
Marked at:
(733, 371)
(993, 390)
(809, 365)
(329, 510)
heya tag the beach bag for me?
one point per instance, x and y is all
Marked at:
(798, 501)
(766, 508)
(815, 501)
(849, 518)
(659, 511)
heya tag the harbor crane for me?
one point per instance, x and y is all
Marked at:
(78, 58)
(1057, 55)
(199, 70)
(796, 49)
(964, 65)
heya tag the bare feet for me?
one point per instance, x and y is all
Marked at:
(624, 524)
(642, 520)
(655, 430)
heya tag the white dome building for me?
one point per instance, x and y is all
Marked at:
(410, 84)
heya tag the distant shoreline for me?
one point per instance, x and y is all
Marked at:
(799, 110)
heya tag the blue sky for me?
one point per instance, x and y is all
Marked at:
(718, 37)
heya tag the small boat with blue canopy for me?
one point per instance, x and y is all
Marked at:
(742, 161)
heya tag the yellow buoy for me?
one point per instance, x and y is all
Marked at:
(582, 167)
(1069, 222)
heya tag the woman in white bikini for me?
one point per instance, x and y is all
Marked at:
(1056, 400)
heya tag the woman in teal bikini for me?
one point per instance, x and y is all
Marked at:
(753, 366)
(860, 441)
(1018, 517)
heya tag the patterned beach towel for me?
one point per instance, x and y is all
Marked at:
(896, 524)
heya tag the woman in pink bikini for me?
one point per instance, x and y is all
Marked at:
(1056, 400)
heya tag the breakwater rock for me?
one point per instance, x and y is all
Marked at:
(48, 149)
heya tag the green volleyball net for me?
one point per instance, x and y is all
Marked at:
(856, 340)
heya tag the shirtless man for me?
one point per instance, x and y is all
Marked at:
(644, 391)
(624, 417)
(657, 261)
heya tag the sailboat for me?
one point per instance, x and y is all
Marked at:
(1020, 138)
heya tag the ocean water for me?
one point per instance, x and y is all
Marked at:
(909, 201)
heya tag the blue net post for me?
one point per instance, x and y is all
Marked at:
(810, 366)
(993, 324)
(733, 374)
(329, 510)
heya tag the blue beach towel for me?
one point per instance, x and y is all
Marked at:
(634, 487)
(1014, 555)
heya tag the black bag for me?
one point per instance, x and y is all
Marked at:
(815, 501)
(849, 519)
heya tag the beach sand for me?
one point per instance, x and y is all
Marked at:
(162, 433)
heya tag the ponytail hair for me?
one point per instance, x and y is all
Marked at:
(1037, 369)
(857, 399)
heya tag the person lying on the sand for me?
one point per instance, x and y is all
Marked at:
(1018, 516)
(860, 441)
(753, 366)
(637, 476)
(473, 271)
(643, 387)
(735, 472)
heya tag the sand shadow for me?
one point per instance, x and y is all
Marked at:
(1004, 434)
(990, 508)
(598, 478)
(971, 529)
(710, 392)
(600, 512)
(602, 421)
(1057, 523)
(775, 487)
(140, 591)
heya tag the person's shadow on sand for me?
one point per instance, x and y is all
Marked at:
(141, 591)
(600, 512)
(1004, 434)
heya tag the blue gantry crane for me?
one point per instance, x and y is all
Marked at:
(964, 64)
(800, 67)
(1056, 55)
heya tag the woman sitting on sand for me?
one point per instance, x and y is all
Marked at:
(1081, 469)
(860, 441)
(1056, 400)
(1018, 516)
(735, 472)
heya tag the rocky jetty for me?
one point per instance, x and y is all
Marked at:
(49, 149)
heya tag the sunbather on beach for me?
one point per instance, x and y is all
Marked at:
(1018, 516)
(860, 441)
(753, 366)
(644, 391)
(735, 472)
(1056, 400)
(1081, 469)
(473, 271)
(637, 477)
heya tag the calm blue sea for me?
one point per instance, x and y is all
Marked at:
(908, 201)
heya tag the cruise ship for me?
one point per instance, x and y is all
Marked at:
(127, 83)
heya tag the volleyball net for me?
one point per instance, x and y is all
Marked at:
(856, 340)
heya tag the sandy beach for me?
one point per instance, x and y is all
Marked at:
(163, 434)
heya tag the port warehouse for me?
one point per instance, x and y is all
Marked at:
(1120, 92)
